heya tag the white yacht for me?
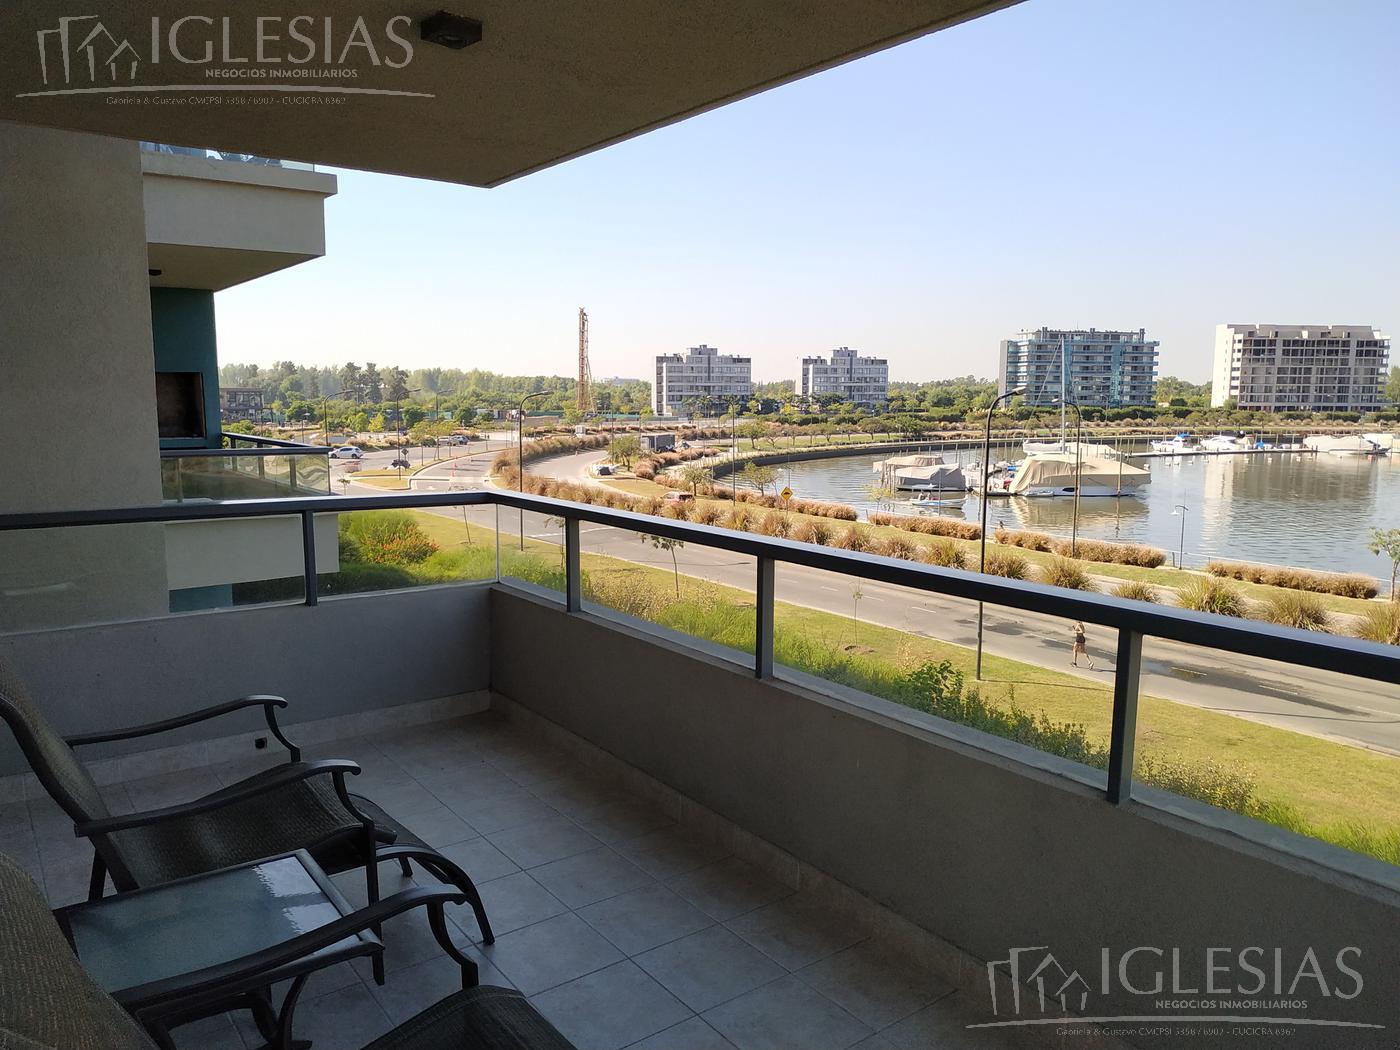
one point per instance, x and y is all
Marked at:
(1224, 443)
(1054, 474)
(923, 472)
(1181, 445)
(1351, 445)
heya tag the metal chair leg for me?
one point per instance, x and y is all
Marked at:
(97, 882)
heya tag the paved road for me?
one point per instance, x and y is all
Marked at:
(1314, 702)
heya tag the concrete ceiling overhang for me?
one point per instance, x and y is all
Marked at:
(353, 85)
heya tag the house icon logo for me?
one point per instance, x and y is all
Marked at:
(82, 46)
(1038, 969)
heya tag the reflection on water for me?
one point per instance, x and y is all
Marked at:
(1308, 510)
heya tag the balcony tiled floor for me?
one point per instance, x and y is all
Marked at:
(625, 928)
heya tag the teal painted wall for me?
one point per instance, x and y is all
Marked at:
(182, 327)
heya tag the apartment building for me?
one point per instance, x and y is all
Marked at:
(241, 404)
(847, 375)
(1106, 369)
(701, 376)
(1300, 368)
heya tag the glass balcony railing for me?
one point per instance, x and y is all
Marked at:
(215, 154)
(243, 473)
(1281, 735)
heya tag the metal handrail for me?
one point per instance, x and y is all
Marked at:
(194, 453)
(1133, 620)
(267, 442)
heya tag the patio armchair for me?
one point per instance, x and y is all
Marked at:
(297, 805)
(49, 1002)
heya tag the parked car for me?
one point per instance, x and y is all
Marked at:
(346, 452)
(679, 497)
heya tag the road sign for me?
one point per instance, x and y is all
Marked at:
(786, 494)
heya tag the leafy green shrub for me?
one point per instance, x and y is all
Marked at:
(387, 537)
(1210, 595)
(1297, 610)
(1137, 591)
(1005, 563)
(1348, 585)
(1208, 782)
(1381, 624)
(1064, 572)
(943, 552)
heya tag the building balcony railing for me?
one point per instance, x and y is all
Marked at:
(214, 154)
(846, 749)
(251, 467)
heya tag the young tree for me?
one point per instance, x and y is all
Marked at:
(695, 475)
(1387, 542)
(623, 449)
(665, 543)
(760, 477)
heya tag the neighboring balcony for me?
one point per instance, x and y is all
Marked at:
(249, 468)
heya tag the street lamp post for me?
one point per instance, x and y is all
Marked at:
(1078, 464)
(520, 452)
(986, 474)
(733, 451)
(1181, 547)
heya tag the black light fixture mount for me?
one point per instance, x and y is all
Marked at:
(449, 30)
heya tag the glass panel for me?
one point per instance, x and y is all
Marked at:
(380, 550)
(687, 587)
(220, 476)
(919, 649)
(1312, 751)
(136, 938)
(532, 548)
(54, 578)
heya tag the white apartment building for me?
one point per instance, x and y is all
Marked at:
(702, 375)
(1300, 368)
(1109, 369)
(862, 380)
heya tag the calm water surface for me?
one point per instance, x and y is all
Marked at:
(1307, 510)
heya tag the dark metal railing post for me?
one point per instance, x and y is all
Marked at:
(1127, 676)
(308, 554)
(573, 577)
(763, 619)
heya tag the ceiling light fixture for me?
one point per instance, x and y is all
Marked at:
(449, 30)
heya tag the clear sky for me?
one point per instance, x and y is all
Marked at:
(1108, 163)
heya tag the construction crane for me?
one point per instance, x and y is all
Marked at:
(585, 374)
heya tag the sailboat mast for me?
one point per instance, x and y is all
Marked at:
(1064, 371)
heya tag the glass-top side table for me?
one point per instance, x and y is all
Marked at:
(139, 943)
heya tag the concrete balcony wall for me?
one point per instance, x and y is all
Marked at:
(346, 657)
(77, 397)
(958, 835)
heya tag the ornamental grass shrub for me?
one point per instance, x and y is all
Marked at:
(1065, 572)
(1211, 595)
(1347, 585)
